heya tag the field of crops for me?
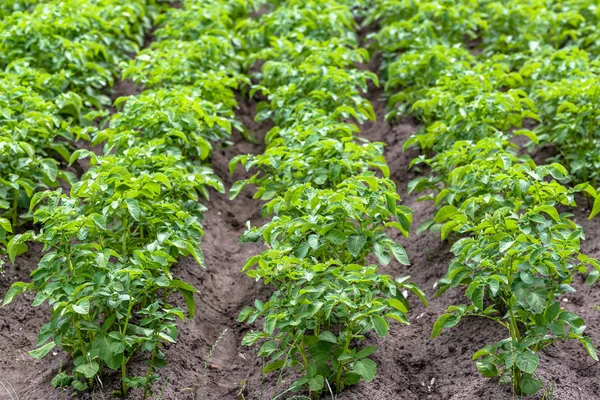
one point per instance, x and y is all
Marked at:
(299, 199)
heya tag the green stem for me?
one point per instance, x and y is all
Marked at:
(504, 324)
(123, 364)
(70, 263)
(516, 337)
(125, 235)
(149, 372)
(302, 353)
(83, 352)
(15, 211)
(338, 377)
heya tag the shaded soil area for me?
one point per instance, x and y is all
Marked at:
(410, 365)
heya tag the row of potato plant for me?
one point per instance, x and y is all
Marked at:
(549, 49)
(515, 253)
(11, 6)
(329, 198)
(57, 59)
(110, 244)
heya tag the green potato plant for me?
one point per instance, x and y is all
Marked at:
(45, 100)
(11, 6)
(105, 304)
(282, 167)
(109, 245)
(320, 310)
(514, 253)
(329, 198)
(91, 39)
(182, 120)
(345, 224)
(310, 19)
(34, 132)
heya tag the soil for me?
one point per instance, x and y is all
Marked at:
(410, 365)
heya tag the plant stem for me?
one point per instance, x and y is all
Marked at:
(149, 372)
(15, 211)
(516, 337)
(124, 363)
(302, 353)
(125, 235)
(338, 376)
(83, 352)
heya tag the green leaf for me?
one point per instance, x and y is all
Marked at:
(438, 326)
(79, 385)
(589, 346)
(351, 378)
(245, 313)
(398, 305)
(274, 366)
(486, 369)
(16, 245)
(82, 307)
(5, 224)
(398, 252)
(550, 210)
(320, 351)
(108, 353)
(365, 368)
(88, 370)
(380, 324)
(236, 189)
(99, 220)
(445, 213)
(552, 312)
(187, 291)
(328, 337)
(528, 133)
(302, 250)
(336, 237)
(270, 323)
(42, 351)
(530, 385)
(166, 337)
(134, 208)
(366, 352)
(382, 255)
(49, 169)
(316, 383)
(424, 226)
(313, 241)
(477, 297)
(537, 299)
(251, 337)
(527, 361)
(356, 243)
(595, 208)
(15, 289)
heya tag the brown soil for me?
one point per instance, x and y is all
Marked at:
(410, 365)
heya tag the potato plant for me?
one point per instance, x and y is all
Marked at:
(110, 243)
(330, 200)
(514, 253)
(10, 6)
(180, 119)
(45, 99)
(37, 134)
(90, 39)
(101, 297)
